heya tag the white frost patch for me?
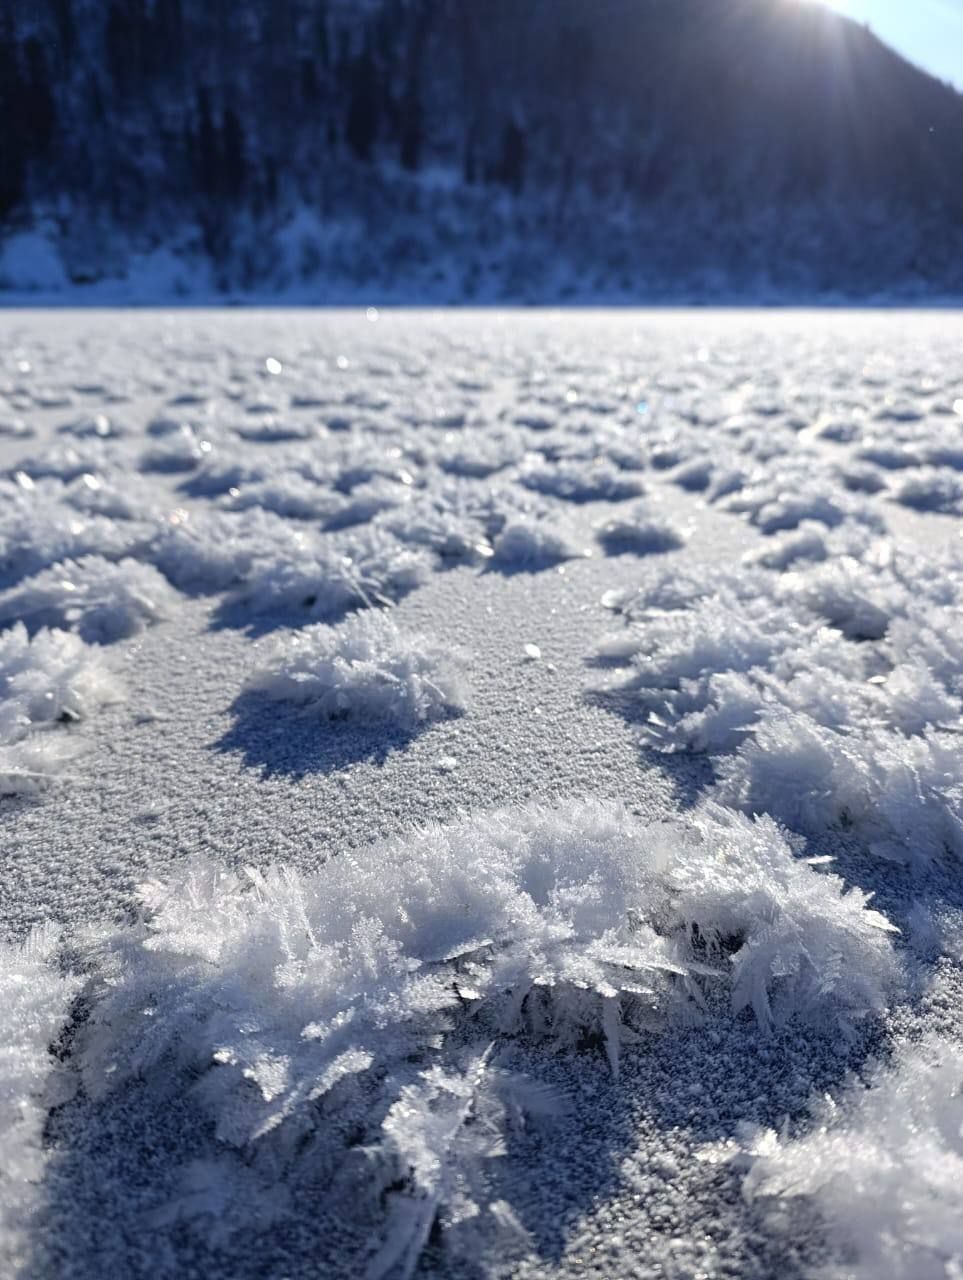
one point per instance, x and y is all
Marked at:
(860, 597)
(65, 461)
(116, 493)
(179, 450)
(640, 532)
(365, 670)
(812, 543)
(35, 1000)
(286, 493)
(315, 1012)
(542, 920)
(883, 1167)
(902, 795)
(582, 480)
(481, 453)
(39, 526)
(930, 489)
(94, 426)
(797, 495)
(52, 678)
(100, 600)
(30, 765)
(530, 543)
(211, 550)
(806, 949)
(851, 723)
(360, 569)
(454, 520)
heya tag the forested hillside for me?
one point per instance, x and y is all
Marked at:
(456, 149)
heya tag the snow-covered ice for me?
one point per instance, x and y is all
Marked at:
(481, 794)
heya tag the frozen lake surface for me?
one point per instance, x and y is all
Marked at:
(481, 794)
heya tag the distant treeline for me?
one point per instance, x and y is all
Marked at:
(146, 115)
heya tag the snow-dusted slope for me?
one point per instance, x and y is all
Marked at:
(515, 774)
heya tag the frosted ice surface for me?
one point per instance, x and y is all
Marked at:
(344, 932)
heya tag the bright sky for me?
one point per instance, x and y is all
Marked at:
(927, 32)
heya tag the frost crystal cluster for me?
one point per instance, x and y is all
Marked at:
(365, 670)
(339, 1010)
(35, 1001)
(883, 1167)
(830, 694)
(49, 679)
(102, 601)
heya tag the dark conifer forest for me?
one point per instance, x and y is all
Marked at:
(478, 148)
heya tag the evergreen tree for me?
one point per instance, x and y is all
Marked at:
(412, 129)
(511, 168)
(233, 165)
(39, 112)
(361, 126)
(207, 153)
(65, 36)
(13, 170)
